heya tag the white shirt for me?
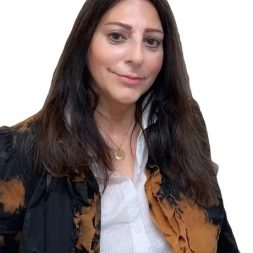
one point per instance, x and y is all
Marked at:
(126, 226)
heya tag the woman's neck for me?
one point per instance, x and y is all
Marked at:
(117, 126)
(115, 119)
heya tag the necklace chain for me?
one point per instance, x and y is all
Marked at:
(119, 153)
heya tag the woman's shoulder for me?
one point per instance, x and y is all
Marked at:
(17, 147)
(19, 178)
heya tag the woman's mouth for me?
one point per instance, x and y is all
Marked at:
(131, 79)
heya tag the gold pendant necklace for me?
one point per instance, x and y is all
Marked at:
(118, 152)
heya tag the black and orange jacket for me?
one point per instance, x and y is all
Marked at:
(40, 214)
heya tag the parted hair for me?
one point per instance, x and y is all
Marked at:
(177, 140)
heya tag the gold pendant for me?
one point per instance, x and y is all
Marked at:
(119, 154)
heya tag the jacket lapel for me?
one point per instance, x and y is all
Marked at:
(183, 223)
(86, 213)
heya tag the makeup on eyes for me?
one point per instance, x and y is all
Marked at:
(121, 32)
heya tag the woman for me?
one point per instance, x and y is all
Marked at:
(118, 158)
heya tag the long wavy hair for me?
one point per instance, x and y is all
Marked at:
(69, 139)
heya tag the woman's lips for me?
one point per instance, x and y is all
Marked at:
(133, 80)
(129, 78)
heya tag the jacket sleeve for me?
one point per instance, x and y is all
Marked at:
(12, 193)
(226, 243)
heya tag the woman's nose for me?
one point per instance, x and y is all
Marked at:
(135, 54)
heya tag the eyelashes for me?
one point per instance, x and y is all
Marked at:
(151, 42)
(116, 37)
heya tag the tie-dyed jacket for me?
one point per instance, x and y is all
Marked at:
(41, 214)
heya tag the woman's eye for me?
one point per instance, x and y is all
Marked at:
(116, 37)
(152, 42)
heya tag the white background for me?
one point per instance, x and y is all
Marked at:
(217, 39)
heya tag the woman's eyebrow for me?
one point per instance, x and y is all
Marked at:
(128, 27)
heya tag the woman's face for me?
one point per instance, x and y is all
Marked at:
(126, 52)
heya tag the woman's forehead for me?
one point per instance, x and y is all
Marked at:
(132, 12)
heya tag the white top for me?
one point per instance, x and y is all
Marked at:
(126, 226)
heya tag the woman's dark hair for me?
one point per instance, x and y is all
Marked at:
(177, 142)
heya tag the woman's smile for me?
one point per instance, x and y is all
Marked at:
(130, 79)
